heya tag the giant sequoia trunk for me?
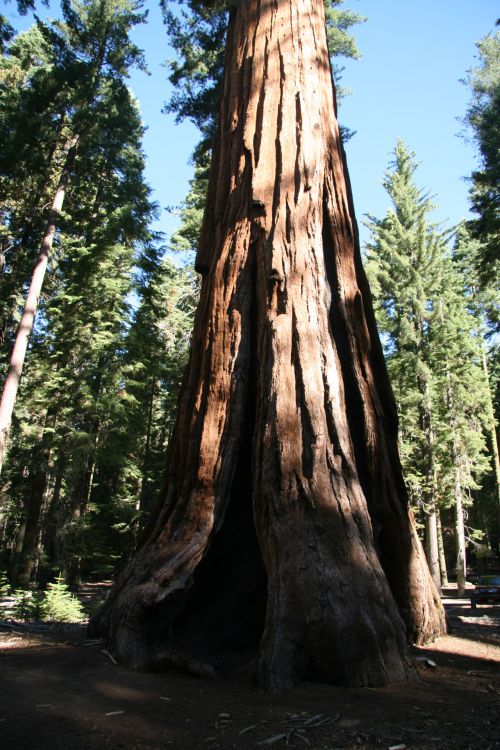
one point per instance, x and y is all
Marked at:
(284, 529)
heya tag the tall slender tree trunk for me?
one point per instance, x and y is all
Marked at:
(492, 432)
(51, 526)
(431, 542)
(26, 551)
(6, 321)
(25, 328)
(458, 509)
(461, 565)
(266, 540)
(144, 487)
(79, 508)
(442, 558)
(430, 509)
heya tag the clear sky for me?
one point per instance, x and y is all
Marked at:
(406, 85)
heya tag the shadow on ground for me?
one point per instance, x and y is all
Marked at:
(57, 692)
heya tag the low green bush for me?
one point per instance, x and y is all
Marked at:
(60, 605)
(56, 604)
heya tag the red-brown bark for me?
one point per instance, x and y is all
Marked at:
(265, 539)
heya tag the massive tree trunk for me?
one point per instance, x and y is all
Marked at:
(284, 523)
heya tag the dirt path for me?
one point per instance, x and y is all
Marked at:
(56, 692)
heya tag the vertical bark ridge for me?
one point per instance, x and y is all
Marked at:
(373, 424)
(304, 543)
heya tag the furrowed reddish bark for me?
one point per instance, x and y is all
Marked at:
(285, 529)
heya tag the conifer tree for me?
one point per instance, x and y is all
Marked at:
(483, 117)
(78, 348)
(483, 300)
(91, 51)
(403, 266)
(131, 465)
(6, 30)
(460, 401)
(26, 156)
(433, 350)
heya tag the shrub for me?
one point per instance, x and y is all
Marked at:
(59, 604)
(4, 592)
(26, 605)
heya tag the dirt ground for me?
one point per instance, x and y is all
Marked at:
(59, 691)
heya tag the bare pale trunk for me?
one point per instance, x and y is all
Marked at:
(442, 558)
(461, 568)
(25, 328)
(493, 434)
(431, 543)
(430, 489)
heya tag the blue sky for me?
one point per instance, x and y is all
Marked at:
(406, 85)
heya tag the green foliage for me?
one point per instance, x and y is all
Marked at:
(197, 33)
(433, 343)
(6, 30)
(81, 428)
(59, 84)
(483, 117)
(155, 355)
(185, 239)
(403, 267)
(4, 592)
(26, 606)
(482, 297)
(59, 604)
(341, 43)
(56, 604)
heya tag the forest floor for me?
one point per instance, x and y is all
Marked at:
(59, 691)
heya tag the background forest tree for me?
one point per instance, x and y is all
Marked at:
(80, 465)
(434, 344)
(482, 117)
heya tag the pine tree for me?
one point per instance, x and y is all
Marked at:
(91, 52)
(131, 466)
(433, 350)
(404, 258)
(6, 30)
(460, 398)
(483, 299)
(25, 173)
(78, 346)
(483, 117)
